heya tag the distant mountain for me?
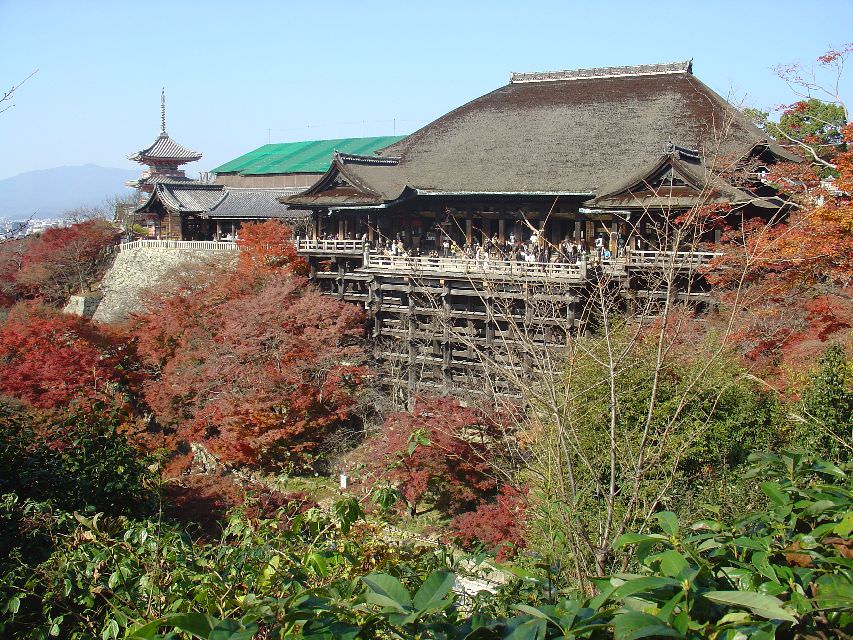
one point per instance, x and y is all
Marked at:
(49, 193)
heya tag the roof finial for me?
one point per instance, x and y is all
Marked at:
(163, 111)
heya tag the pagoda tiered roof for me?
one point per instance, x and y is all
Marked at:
(164, 148)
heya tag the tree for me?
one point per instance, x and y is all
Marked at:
(58, 262)
(266, 247)
(439, 453)
(827, 403)
(51, 359)
(499, 525)
(257, 365)
(813, 124)
(7, 95)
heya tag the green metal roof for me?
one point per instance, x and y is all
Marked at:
(313, 156)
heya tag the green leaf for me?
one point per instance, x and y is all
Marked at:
(433, 590)
(528, 630)
(641, 585)
(110, 631)
(387, 591)
(672, 563)
(637, 538)
(774, 491)
(761, 561)
(834, 592)
(197, 624)
(761, 605)
(828, 468)
(536, 613)
(845, 527)
(232, 630)
(819, 507)
(633, 624)
(147, 631)
(13, 604)
(668, 522)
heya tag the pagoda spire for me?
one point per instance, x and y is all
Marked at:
(163, 157)
(163, 111)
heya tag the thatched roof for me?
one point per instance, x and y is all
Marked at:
(564, 132)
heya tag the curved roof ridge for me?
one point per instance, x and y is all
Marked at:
(165, 148)
(603, 72)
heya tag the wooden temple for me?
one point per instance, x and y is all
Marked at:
(586, 170)
(176, 207)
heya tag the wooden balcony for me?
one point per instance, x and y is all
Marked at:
(478, 269)
(307, 246)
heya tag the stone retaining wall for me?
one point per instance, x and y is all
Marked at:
(138, 270)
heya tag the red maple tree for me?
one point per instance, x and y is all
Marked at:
(498, 525)
(789, 281)
(54, 264)
(51, 359)
(439, 453)
(258, 365)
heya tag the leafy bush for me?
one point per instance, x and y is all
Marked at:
(782, 572)
(79, 460)
(828, 407)
(437, 454)
(498, 525)
(107, 573)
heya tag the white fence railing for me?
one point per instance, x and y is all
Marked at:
(665, 258)
(331, 246)
(425, 265)
(199, 245)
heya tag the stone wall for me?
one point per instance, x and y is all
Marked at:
(136, 271)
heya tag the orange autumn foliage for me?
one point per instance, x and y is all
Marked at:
(256, 365)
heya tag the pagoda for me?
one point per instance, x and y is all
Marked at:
(163, 158)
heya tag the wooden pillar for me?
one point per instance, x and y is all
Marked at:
(614, 236)
(446, 345)
(341, 230)
(412, 381)
(501, 230)
(469, 231)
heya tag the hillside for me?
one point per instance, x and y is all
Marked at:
(48, 193)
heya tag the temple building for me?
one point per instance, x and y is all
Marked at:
(293, 164)
(163, 158)
(247, 189)
(507, 212)
(578, 154)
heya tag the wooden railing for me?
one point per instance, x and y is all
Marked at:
(426, 265)
(331, 246)
(678, 258)
(198, 245)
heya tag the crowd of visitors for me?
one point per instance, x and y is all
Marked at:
(511, 249)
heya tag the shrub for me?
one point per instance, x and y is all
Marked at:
(438, 453)
(498, 525)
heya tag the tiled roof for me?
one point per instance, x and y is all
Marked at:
(165, 148)
(191, 198)
(255, 203)
(158, 179)
(312, 156)
(219, 201)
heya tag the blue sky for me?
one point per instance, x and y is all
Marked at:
(237, 72)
